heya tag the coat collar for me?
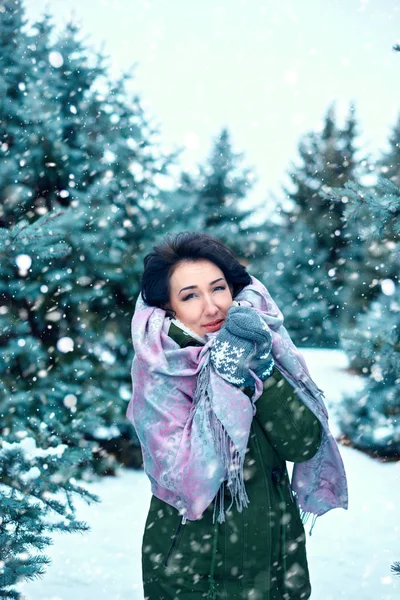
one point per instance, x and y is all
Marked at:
(184, 336)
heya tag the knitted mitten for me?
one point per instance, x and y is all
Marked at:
(244, 342)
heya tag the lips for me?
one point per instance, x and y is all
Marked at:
(214, 326)
(213, 323)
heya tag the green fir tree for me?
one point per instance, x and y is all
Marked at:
(72, 140)
(389, 163)
(370, 419)
(296, 279)
(223, 184)
(218, 196)
(38, 457)
(83, 143)
(327, 159)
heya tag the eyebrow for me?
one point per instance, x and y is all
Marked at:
(192, 287)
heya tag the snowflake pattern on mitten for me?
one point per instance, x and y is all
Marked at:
(227, 360)
(236, 348)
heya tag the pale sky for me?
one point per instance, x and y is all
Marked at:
(266, 69)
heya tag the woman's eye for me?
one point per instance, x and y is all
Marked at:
(189, 296)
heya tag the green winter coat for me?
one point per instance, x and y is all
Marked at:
(258, 554)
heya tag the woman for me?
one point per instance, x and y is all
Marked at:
(221, 400)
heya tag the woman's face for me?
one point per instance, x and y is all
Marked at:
(200, 296)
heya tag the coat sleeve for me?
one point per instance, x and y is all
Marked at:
(290, 426)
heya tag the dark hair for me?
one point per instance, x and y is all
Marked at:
(160, 264)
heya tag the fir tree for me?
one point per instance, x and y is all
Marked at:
(297, 282)
(371, 418)
(396, 568)
(37, 471)
(85, 144)
(63, 316)
(327, 159)
(218, 195)
(33, 301)
(390, 161)
(14, 64)
(223, 185)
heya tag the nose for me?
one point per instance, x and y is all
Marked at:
(210, 308)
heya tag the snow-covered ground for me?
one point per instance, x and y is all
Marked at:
(349, 552)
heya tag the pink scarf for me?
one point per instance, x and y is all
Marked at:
(194, 427)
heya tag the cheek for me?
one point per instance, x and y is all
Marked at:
(188, 313)
(228, 302)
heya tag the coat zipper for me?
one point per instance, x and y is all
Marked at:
(269, 500)
(174, 541)
(277, 477)
(292, 497)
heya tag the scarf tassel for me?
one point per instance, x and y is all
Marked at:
(232, 461)
(304, 518)
(233, 467)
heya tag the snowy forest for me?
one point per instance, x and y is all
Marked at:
(86, 189)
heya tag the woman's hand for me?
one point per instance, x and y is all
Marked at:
(243, 343)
